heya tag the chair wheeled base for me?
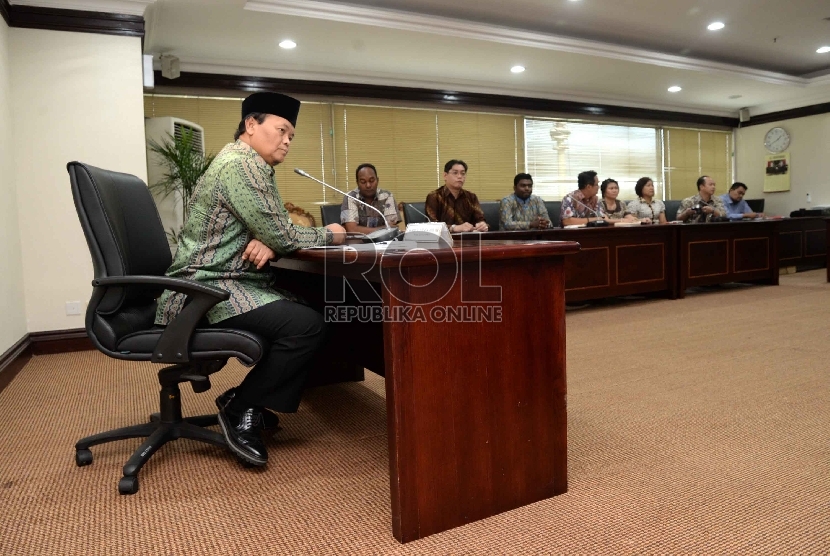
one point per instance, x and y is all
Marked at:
(164, 427)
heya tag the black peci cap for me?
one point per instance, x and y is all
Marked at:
(277, 104)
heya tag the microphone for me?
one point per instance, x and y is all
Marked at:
(412, 206)
(589, 224)
(389, 234)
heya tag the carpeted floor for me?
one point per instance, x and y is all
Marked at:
(697, 426)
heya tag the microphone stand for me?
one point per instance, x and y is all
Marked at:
(391, 233)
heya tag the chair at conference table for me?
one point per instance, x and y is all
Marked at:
(130, 256)
(330, 214)
(414, 213)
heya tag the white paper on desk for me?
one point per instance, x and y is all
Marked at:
(573, 226)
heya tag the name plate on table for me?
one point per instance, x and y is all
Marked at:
(428, 232)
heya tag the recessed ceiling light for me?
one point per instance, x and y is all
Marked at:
(675, 89)
(716, 26)
(288, 44)
(517, 69)
(735, 96)
(823, 50)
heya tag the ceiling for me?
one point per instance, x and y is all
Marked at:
(625, 52)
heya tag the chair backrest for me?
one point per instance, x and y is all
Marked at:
(805, 212)
(491, 213)
(757, 205)
(554, 208)
(414, 213)
(330, 214)
(125, 238)
(671, 209)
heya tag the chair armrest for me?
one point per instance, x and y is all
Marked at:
(174, 344)
(180, 285)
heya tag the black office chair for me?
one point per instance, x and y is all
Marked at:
(330, 214)
(671, 209)
(414, 213)
(491, 213)
(129, 256)
(757, 205)
(554, 208)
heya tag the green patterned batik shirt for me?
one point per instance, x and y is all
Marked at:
(235, 201)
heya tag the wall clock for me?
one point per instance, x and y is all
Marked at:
(777, 140)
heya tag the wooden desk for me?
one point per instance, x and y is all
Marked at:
(617, 261)
(612, 261)
(802, 242)
(716, 253)
(477, 422)
(666, 258)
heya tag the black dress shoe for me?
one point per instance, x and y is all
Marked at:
(270, 421)
(242, 433)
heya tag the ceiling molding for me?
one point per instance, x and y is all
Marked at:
(820, 97)
(324, 74)
(409, 21)
(128, 7)
(54, 19)
(801, 112)
(436, 97)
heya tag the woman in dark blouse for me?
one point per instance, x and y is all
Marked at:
(614, 208)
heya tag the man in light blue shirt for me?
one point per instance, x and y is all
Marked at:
(736, 207)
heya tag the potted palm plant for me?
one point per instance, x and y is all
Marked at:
(183, 164)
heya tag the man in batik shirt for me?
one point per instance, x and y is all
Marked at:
(236, 223)
(702, 207)
(452, 204)
(522, 210)
(582, 206)
(358, 218)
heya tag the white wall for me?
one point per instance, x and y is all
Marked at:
(75, 96)
(12, 307)
(809, 163)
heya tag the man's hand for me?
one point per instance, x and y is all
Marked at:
(707, 209)
(258, 253)
(465, 227)
(338, 233)
(481, 226)
(539, 223)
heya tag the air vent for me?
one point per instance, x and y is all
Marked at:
(197, 135)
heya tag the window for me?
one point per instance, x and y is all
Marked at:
(691, 153)
(558, 150)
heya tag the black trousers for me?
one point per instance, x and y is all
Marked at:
(295, 331)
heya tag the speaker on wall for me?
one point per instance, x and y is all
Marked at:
(743, 115)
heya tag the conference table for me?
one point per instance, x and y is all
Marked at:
(476, 421)
(664, 259)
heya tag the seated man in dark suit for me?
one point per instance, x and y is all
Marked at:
(451, 204)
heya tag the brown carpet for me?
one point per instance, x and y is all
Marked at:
(698, 426)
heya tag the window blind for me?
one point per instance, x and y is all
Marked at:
(691, 153)
(558, 150)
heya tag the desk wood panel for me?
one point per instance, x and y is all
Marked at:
(802, 242)
(717, 253)
(477, 425)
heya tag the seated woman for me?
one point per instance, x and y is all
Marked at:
(614, 208)
(646, 208)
